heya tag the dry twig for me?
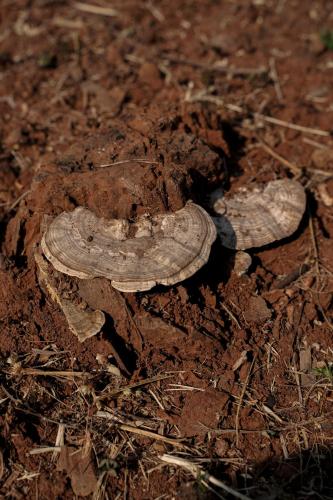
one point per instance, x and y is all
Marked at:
(95, 9)
(130, 160)
(142, 432)
(17, 201)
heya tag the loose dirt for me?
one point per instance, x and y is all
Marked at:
(138, 107)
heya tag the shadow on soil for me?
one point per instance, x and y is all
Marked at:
(306, 476)
(229, 166)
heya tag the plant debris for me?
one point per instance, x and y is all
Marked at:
(79, 467)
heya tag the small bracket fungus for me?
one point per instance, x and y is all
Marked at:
(257, 218)
(136, 256)
(83, 323)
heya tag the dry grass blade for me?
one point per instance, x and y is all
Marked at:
(48, 373)
(152, 435)
(72, 24)
(143, 432)
(95, 9)
(200, 474)
(284, 447)
(231, 314)
(271, 413)
(17, 201)
(240, 431)
(129, 387)
(130, 160)
(314, 143)
(59, 442)
(45, 449)
(181, 387)
(293, 126)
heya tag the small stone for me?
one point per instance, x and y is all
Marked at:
(242, 263)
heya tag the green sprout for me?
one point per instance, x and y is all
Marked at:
(325, 371)
(327, 39)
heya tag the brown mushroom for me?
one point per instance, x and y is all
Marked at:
(136, 256)
(83, 323)
(257, 218)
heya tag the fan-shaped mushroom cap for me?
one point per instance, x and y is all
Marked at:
(254, 219)
(162, 249)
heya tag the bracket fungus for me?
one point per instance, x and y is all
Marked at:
(135, 256)
(257, 218)
(83, 323)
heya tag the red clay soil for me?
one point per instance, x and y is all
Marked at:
(137, 107)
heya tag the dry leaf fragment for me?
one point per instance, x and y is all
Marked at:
(257, 218)
(79, 467)
(161, 249)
